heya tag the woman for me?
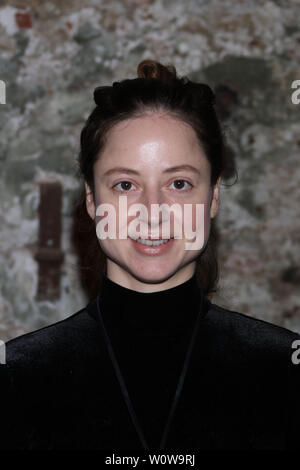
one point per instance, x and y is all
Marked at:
(150, 362)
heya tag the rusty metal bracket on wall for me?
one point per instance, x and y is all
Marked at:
(49, 254)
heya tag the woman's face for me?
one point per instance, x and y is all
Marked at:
(137, 162)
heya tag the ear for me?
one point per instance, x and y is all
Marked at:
(89, 201)
(215, 202)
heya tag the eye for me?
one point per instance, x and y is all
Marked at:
(180, 184)
(125, 185)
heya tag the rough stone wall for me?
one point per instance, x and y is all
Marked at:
(54, 53)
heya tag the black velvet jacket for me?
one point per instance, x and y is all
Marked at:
(59, 389)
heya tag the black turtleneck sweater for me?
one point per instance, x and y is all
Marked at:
(150, 334)
(59, 389)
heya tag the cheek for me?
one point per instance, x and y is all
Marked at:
(196, 217)
(112, 221)
(106, 221)
(206, 217)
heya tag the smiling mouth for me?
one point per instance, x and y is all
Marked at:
(151, 242)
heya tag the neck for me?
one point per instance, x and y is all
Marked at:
(162, 312)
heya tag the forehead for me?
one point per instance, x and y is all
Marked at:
(150, 128)
(154, 136)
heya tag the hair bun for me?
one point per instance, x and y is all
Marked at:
(102, 94)
(153, 69)
(202, 93)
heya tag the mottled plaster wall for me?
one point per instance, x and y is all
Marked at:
(52, 56)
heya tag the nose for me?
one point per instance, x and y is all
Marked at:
(155, 203)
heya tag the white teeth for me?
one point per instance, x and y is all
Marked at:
(151, 242)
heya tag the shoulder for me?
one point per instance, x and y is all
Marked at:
(247, 333)
(65, 338)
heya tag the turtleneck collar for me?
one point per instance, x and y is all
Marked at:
(163, 313)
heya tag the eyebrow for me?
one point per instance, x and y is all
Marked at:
(173, 169)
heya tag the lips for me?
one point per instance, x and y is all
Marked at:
(151, 242)
(152, 250)
(151, 238)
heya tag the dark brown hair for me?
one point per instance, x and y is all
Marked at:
(157, 88)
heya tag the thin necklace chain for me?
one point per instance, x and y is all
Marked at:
(124, 387)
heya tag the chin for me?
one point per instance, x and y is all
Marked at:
(153, 275)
